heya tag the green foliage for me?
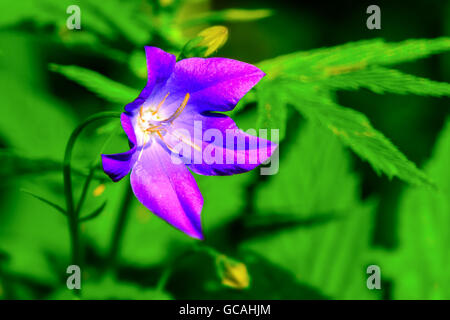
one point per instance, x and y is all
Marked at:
(50, 203)
(316, 181)
(207, 42)
(355, 131)
(305, 80)
(97, 83)
(109, 288)
(272, 110)
(229, 15)
(315, 167)
(304, 233)
(381, 80)
(420, 265)
(355, 56)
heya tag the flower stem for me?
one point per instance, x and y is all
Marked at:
(72, 214)
(90, 175)
(119, 228)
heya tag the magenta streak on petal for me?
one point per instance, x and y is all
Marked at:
(168, 190)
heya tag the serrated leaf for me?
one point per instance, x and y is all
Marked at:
(353, 56)
(95, 82)
(354, 130)
(381, 80)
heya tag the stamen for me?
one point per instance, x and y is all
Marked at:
(153, 128)
(160, 104)
(184, 139)
(180, 108)
(141, 114)
(163, 140)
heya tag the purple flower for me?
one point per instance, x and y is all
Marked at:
(161, 126)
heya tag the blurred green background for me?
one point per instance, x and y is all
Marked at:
(308, 232)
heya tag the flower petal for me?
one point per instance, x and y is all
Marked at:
(127, 126)
(219, 147)
(118, 165)
(160, 65)
(168, 190)
(214, 84)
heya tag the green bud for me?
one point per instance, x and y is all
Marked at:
(205, 43)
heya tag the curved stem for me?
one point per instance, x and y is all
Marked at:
(90, 175)
(72, 214)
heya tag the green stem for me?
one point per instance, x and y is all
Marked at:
(87, 182)
(119, 228)
(91, 173)
(72, 214)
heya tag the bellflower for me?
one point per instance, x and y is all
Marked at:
(178, 96)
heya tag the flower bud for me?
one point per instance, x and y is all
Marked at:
(232, 273)
(206, 43)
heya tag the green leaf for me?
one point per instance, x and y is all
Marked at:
(110, 288)
(354, 130)
(229, 15)
(316, 185)
(353, 56)
(419, 268)
(126, 18)
(102, 86)
(272, 109)
(17, 165)
(381, 80)
(39, 112)
(53, 13)
(313, 167)
(50, 203)
(329, 256)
